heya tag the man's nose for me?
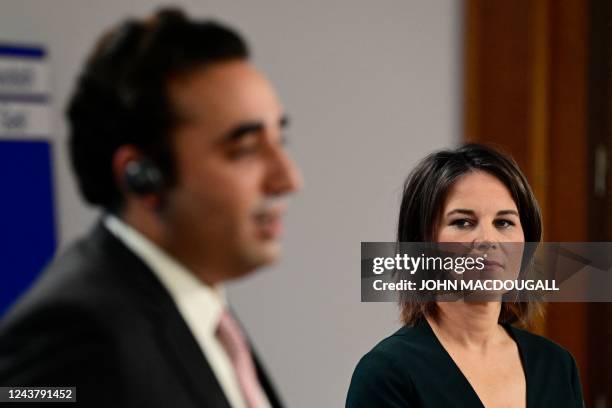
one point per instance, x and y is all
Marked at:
(284, 175)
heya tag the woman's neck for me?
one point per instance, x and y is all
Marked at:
(469, 325)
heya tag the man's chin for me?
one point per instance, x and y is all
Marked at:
(264, 254)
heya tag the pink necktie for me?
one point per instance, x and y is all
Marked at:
(232, 339)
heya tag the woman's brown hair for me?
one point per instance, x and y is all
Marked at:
(424, 194)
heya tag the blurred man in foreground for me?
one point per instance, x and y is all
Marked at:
(179, 139)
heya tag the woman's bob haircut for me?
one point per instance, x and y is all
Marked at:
(424, 194)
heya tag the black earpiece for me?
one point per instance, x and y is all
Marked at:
(143, 177)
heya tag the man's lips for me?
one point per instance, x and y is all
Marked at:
(270, 223)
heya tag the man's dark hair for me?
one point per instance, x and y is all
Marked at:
(121, 97)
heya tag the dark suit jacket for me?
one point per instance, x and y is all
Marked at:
(98, 319)
(411, 368)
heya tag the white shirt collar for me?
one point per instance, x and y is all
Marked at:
(196, 300)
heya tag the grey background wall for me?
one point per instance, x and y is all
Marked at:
(371, 87)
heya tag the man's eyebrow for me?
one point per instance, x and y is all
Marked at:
(247, 128)
(243, 130)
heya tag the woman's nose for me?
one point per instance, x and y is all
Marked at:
(485, 239)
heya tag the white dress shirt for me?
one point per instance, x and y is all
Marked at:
(199, 304)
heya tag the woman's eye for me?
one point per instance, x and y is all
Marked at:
(462, 223)
(504, 223)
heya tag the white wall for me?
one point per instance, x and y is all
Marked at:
(370, 86)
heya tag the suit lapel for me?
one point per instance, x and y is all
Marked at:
(265, 382)
(187, 355)
(175, 337)
(182, 348)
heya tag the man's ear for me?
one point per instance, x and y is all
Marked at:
(126, 161)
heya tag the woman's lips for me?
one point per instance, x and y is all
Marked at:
(491, 264)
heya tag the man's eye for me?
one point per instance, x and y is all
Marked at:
(462, 223)
(243, 149)
(504, 223)
(240, 152)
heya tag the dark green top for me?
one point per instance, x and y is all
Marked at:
(411, 368)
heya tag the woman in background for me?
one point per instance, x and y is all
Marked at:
(467, 354)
